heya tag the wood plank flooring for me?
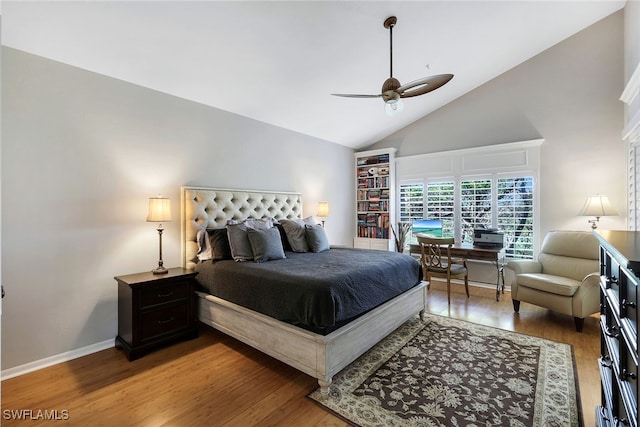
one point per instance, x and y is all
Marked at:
(215, 380)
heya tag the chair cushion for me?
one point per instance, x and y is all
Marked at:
(574, 268)
(549, 283)
(455, 269)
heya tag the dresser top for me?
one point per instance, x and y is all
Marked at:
(624, 244)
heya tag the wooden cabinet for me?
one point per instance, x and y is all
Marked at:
(155, 309)
(375, 209)
(619, 279)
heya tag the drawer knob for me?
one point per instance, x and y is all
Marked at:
(166, 320)
(606, 362)
(612, 332)
(625, 375)
(626, 304)
(611, 280)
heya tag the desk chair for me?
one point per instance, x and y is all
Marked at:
(435, 255)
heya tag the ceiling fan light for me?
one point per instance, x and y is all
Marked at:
(393, 106)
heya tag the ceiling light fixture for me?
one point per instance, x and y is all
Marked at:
(392, 91)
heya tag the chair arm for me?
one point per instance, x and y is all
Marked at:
(586, 300)
(524, 266)
(591, 280)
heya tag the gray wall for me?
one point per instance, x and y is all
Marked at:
(567, 95)
(82, 153)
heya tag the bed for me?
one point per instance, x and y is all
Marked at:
(320, 350)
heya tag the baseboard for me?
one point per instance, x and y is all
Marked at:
(54, 360)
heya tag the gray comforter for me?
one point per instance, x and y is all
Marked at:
(318, 290)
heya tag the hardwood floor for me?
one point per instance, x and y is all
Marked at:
(215, 380)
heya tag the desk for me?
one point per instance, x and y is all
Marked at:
(468, 251)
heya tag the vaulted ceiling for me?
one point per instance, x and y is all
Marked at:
(279, 61)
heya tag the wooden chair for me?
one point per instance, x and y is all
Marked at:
(435, 255)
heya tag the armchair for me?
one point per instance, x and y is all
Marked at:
(565, 278)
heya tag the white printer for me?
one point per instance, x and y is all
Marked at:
(488, 238)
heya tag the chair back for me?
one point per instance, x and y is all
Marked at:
(571, 254)
(435, 252)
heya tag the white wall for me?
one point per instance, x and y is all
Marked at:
(82, 153)
(567, 95)
(631, 37)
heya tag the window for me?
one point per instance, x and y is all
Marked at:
(515, 215)
(492, 186)
(512, 211)
(475, 207)
(411, 206)
(411, 201)
(440, 203)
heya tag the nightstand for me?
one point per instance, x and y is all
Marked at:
(155, 309)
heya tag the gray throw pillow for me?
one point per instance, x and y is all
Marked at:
(316, 238)
(239, 243)
(265, 244)
(238, 240)
(294, 228)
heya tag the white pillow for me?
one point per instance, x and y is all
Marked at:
(204, 247)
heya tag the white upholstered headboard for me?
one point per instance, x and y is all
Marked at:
(211, 207)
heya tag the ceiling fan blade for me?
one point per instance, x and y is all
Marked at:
(351, 95)
(422, 86)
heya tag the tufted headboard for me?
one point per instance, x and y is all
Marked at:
(203, 208)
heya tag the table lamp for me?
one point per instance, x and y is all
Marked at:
(323, 211)
(159, 211)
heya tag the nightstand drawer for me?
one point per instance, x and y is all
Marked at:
(160, 294)
(163, 321)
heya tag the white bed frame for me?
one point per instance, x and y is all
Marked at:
(321, 356)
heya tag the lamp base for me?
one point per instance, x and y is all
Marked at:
(160, 270)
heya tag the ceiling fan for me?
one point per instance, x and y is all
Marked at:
(392, 91)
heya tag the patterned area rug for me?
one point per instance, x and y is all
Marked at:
(447, 372)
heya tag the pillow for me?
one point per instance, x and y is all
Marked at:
(294, 228)
(219, 244)
(316, 238)
(265, 244)
(238, 240)
(259, 224)
(283, 238)
(204, 248)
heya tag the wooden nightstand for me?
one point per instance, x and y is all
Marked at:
(154, 309)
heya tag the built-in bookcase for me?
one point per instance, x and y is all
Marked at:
(375, 172)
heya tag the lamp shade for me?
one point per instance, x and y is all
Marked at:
(159, 209)
(598, 206)
(323, 209)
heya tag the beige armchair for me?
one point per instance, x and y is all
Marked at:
(565, 278)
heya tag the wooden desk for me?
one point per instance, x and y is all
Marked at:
(468, 251)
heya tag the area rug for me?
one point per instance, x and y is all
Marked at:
(448, 372)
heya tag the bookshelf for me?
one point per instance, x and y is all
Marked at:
(375, 171)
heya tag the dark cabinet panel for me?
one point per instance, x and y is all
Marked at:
(619, 267)
(154, 310)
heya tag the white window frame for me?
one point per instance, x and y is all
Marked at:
(489, 162)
